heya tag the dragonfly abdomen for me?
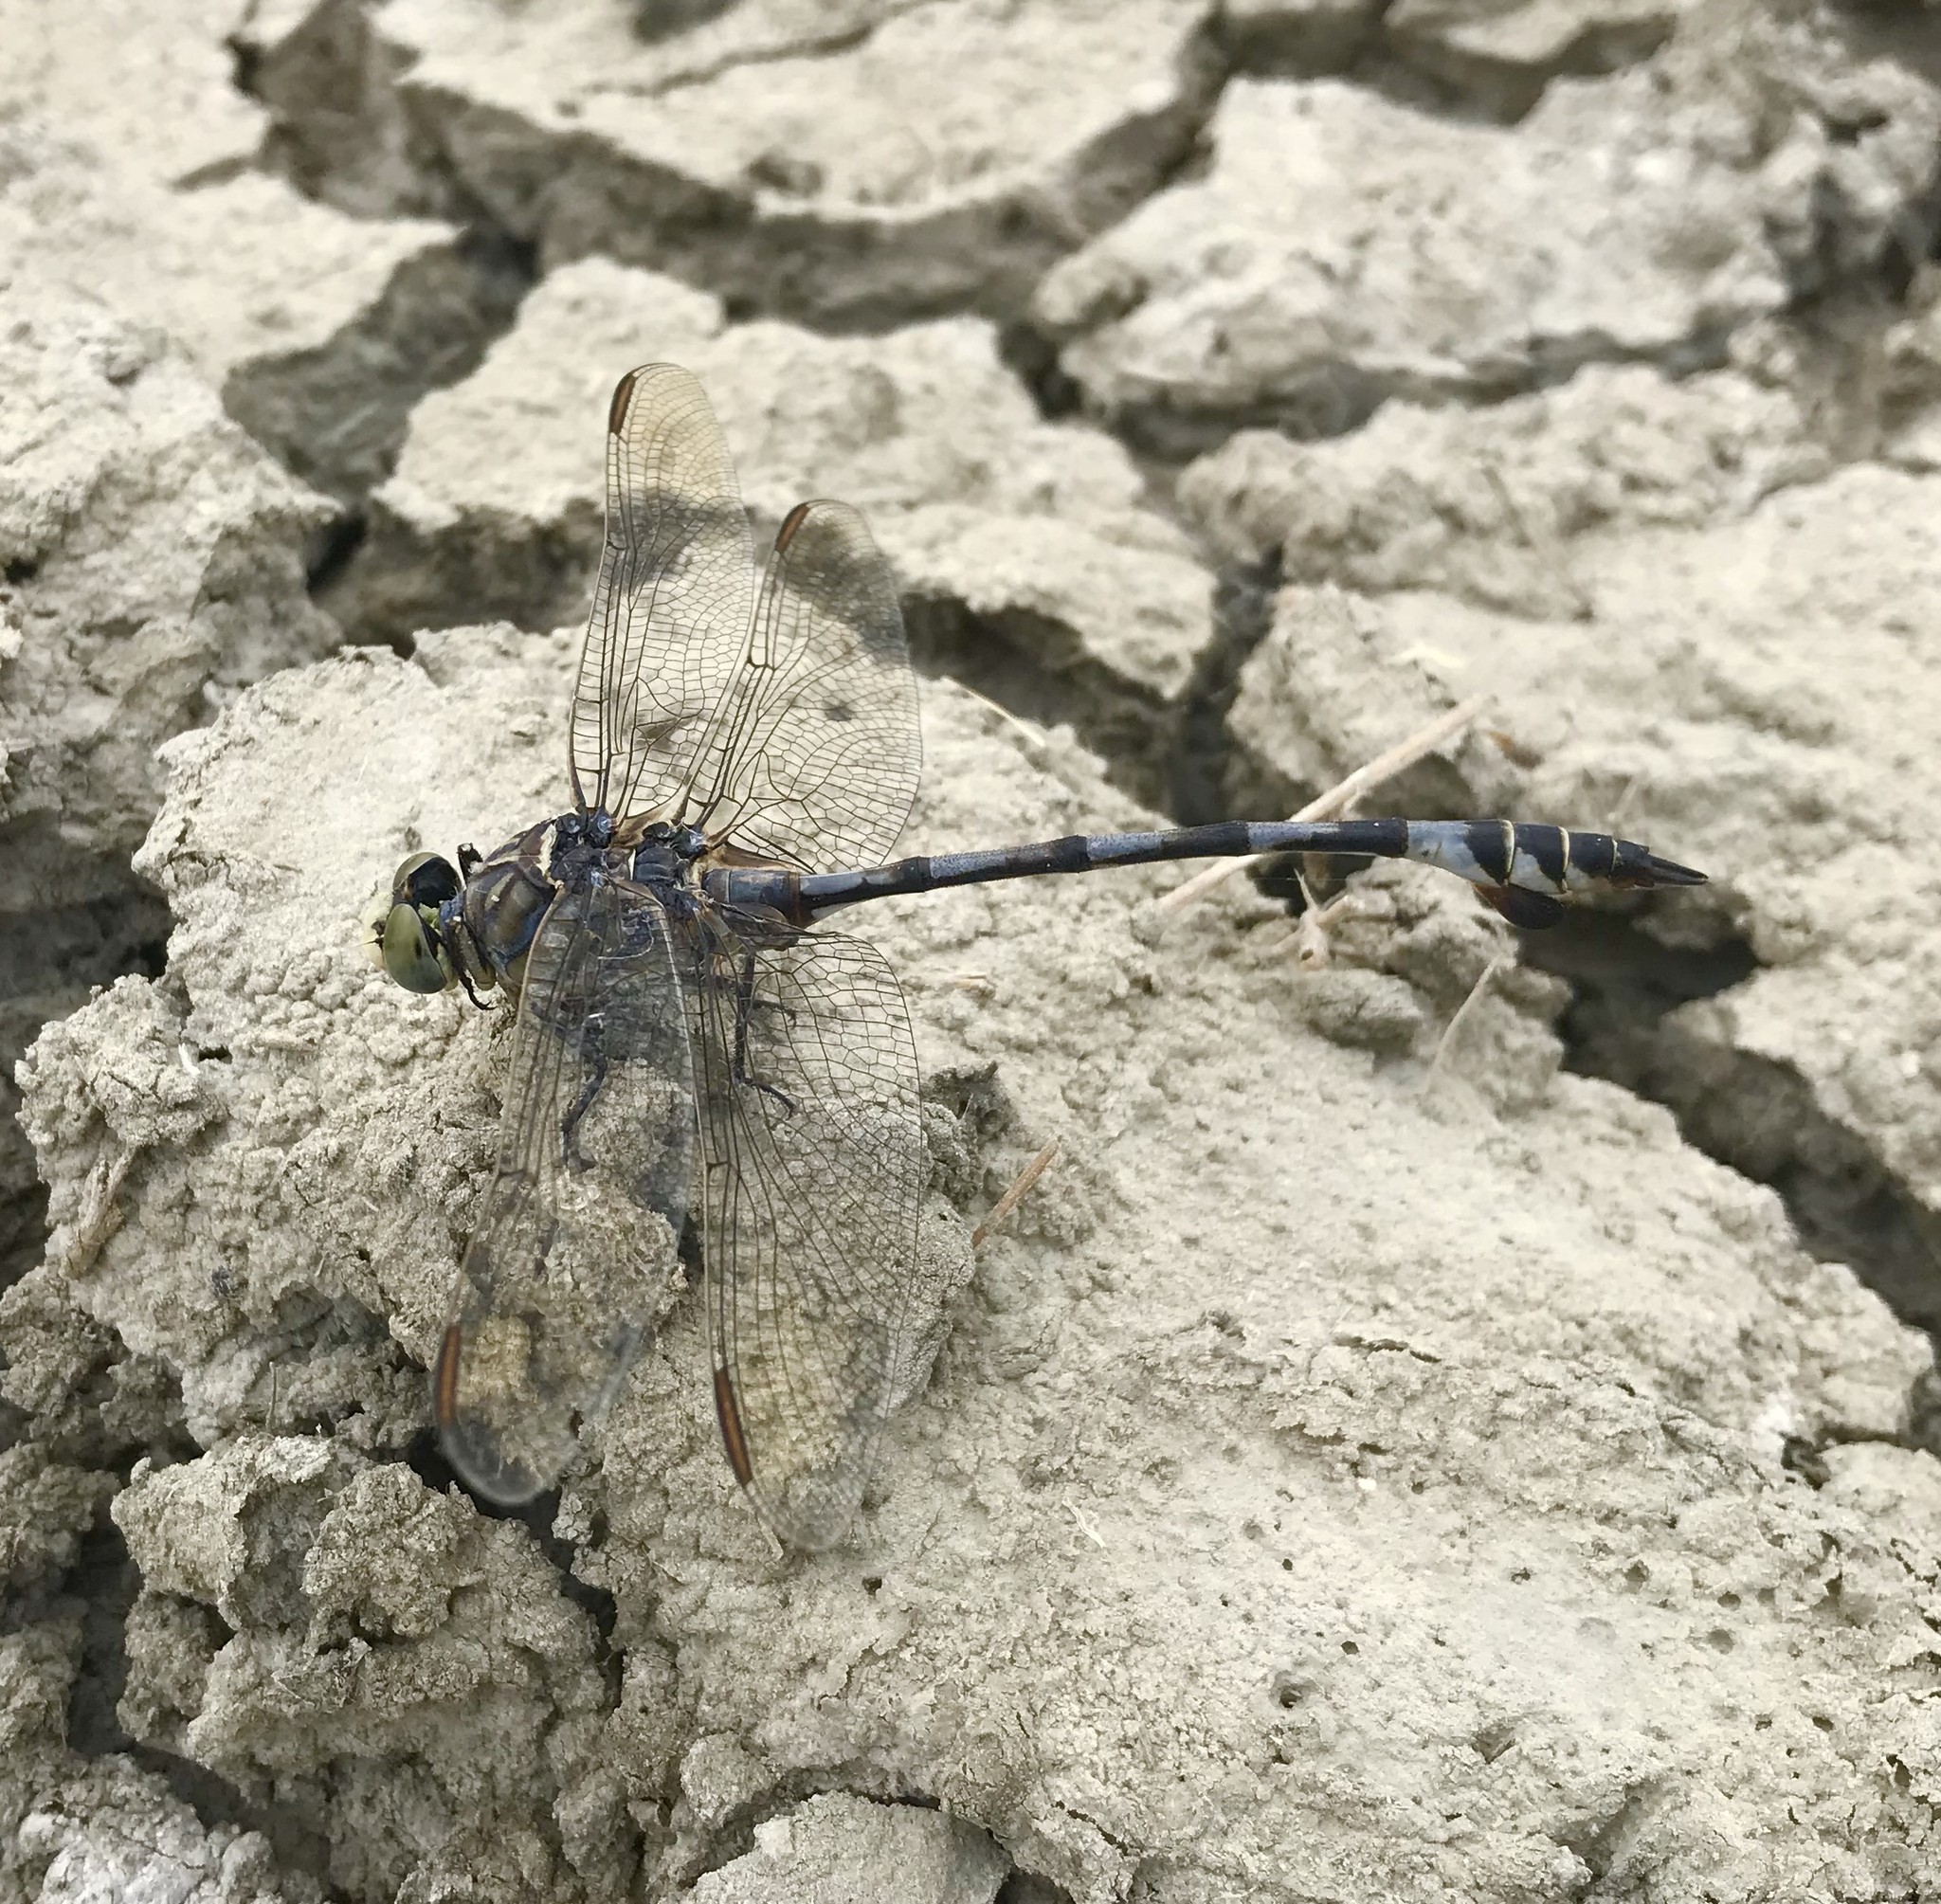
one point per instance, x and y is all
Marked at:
(1523, 869)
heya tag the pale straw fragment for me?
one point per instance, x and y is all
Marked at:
(1020, 1187)
(1463, 1013)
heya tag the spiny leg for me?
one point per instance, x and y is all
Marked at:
(745, 1002)
(593, 1046)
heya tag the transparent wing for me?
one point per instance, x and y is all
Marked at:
(812, 1172)
(573, 1255)
(670, 617)
(814, 757)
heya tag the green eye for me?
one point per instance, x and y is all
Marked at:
(410, 955)
(424, 880)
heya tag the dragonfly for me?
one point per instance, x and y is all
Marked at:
(694, 1047)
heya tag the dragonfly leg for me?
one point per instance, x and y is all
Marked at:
(745, 1002)
(593, 1045)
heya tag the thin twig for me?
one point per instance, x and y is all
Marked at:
(1029, 729)
(1087, 1524)
(1021, 1186)
(1463, 1011)
(1339, 797)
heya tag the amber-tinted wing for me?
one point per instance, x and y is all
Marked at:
(670, 617)
(812, 1178)
(814, 756)
(573, 1259)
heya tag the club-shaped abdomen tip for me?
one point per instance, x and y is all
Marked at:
(1669, 873)
(1639, 867)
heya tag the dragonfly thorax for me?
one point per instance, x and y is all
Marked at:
(475, 923)
(667, 852)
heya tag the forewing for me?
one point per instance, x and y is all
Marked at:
(670, 617)
(815, 756)
(574, 1254)
(812, 1173)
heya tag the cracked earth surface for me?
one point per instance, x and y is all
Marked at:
(1457, 1419)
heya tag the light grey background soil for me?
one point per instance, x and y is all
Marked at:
(1388, 1454)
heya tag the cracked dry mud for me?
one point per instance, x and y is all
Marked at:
(1392, 1454)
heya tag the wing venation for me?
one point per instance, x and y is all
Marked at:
(573, 1257)
(814, 756)
(811, 1186)
(670, 623)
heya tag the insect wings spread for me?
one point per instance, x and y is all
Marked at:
(574, 1253)
(670, 623)
(805, 1069)
(782, 724)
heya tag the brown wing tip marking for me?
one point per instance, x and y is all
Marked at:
(727, 1412)
(622, 395)
(790, 523)
(445, 1380)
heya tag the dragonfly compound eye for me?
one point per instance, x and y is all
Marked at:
(424, 880)
(410, 952)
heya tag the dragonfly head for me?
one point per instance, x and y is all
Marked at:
(412, 940)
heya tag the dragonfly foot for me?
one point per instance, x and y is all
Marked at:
(781, 1096)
